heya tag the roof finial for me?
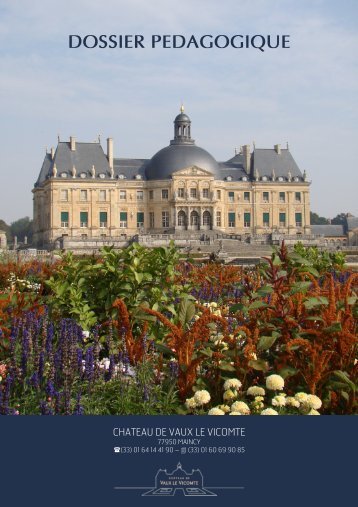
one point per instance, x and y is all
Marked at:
(182, 107)
(58, 138)
(287, 147)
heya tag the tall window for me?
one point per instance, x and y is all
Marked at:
(218, 194)
(246, 196)
(102, 195)
(298, 196)
(206, 218)
(140, 219)
(123, 195)
(123, 221)
(282, 197)
(181, 218)
(83, 219)
(266, 219)
(231, 219)
(64, 218)
(247, 219)
(181, 192)
(64, 195)
(231, 196)
(83, 195)
(205, 193)
(103, 221)
(265, 196)
(218, 219)
(282, 219)
(193, 193)
(298, 219)
(140, 195)
(151, 219)
(151, 195)
(165, 194)
(165, 218)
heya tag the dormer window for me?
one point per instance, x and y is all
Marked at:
(244, 178)
(102, 176)
(83, 175)
(121, 176)
(264, 178)
(63, 175)
(138, 177)
(228, 178)
(280, 178)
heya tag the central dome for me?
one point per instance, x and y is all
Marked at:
(180, 154)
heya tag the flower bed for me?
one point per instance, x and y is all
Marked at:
(137, 331)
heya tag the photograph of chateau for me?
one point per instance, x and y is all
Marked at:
(84, 194)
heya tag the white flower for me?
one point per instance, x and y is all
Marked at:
(259, 398)
(235, 413)
(313, 412)
(232, 383)
(275, 382)
(292, 402)
(240, 406)
(301, 397)
(229, 395)
(278, 401)
(256, 391)
(269, 411)
(202, 397)
(313, 401)
(216, 411)
(190, 403)
(224, 408)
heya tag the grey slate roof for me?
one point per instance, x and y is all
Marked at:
(165, 162)
(266, 160)
(328, 230)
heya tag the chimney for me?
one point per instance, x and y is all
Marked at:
(73, 143)
(278, 149)
(110, 152)
(52, 153)
(247, 157)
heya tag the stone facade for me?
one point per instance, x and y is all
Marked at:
(86, 194)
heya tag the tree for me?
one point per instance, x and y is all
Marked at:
(22, 228)
(340, 219)
(317, 220)
(7, 229)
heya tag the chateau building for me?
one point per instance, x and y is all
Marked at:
(84, 194)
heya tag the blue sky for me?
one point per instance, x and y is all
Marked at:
(306, 95)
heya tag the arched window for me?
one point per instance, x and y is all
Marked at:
(194, 218)
(181, 218)
(206, 218)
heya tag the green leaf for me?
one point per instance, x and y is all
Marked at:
(239, 307)
(265, 290)
(342, 375)
(300, 287)
(186, 311)
(257, 304)
(266, 342)
(336, 327)
(163, 348)
(138, 277)
(287, 371)
(259, 364)
(226, 367)
(316, 301)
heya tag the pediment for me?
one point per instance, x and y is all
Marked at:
(192, 171)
